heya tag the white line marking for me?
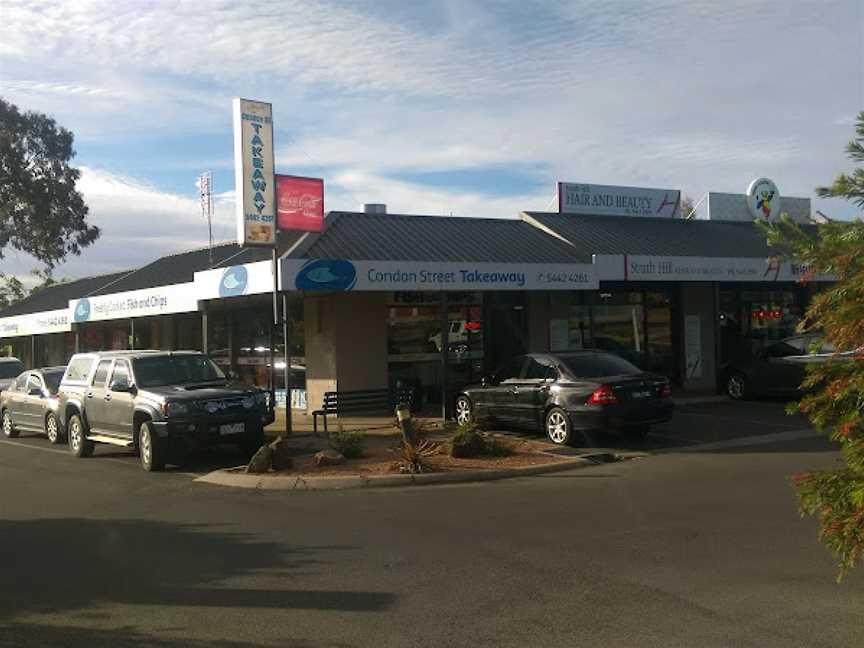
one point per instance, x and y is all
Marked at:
(761, 439)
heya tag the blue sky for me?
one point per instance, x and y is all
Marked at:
(469, 108)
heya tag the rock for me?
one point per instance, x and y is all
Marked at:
(328, 458)
(281, 458)
(261, 460)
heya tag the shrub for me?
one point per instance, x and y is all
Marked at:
(347, 442)
(468, 441)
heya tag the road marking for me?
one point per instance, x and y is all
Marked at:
(761, 439)
(32, 447)
(732, 418)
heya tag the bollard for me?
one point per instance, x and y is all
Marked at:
(403, 417)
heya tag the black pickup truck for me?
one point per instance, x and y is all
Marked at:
(158, 403)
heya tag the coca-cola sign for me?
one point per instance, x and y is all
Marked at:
(300, 203)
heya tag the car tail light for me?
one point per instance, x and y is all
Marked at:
(666, 391)
(603, 395)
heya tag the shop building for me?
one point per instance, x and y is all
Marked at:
(435, 303)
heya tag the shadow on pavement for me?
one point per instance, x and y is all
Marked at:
(50, 566)
(24, 635)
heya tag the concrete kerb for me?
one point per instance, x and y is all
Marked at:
(339, 482)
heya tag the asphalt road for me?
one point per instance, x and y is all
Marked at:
(688, 547)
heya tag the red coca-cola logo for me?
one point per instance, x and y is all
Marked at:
(302, 205)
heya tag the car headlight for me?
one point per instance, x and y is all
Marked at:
(248, 402)
(175, 409)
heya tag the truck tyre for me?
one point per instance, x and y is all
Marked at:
(78, 443)
(151, 448)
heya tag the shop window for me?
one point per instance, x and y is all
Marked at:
(619, 321)
(752, 318)
(415, 342)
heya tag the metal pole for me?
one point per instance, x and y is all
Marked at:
(33, 364)
(287, 327)
(132, 333)
(445, 352)
(275, 270)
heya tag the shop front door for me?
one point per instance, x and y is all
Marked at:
(506, 328)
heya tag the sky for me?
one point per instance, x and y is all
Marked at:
(448, 107)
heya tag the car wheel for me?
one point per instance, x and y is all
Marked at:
(52, 429)
(464, 414)
(151, 448)
(78, 443)
(558, 428)
(737, 386)
(252, 440)
(9, 430)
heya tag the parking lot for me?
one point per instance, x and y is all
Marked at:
(694, 427)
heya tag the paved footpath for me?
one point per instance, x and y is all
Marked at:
(690, 547)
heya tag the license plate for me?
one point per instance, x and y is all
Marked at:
(641, 394)
(232, 428)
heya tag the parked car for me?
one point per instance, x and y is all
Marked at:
(568, 393)
(779, 368)
(158, 403)
(30, 404)
(10, 369)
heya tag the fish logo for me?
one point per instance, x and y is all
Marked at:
(82, 310)
(332, 275)
(234, 282)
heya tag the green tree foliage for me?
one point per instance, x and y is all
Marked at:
(834, 392)
(11, 290)
(41, 212)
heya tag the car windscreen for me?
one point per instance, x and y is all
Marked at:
(52, 380)
(10, 369)
(597, 365)
(175, 370)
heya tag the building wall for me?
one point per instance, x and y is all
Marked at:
(346, 344)
(698, 300)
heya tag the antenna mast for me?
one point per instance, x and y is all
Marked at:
(205, 187)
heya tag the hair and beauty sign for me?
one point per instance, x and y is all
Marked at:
(254, 172)
(670, 268)
(176, 298)
(610, 200)
(55, 321)
(300, 203)
(335, 275)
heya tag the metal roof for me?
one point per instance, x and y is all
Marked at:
(58, 296)
(402, 237)
(656, 236)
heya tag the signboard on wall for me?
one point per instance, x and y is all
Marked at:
(234, 281)
(177, 298)
(54, 321)
(610, 200)
(300, 203)
(674, 268)
(339, 275)
(255, 194)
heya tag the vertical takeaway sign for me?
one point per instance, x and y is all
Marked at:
(254, 173)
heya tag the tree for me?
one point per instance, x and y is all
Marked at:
(41, 212)
(834, 392)
(11, 290)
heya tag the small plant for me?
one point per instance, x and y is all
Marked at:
(415, 456)
(348, 442)
(468, 441)
(496, 447)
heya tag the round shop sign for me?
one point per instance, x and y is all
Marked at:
(327, 275)
(82, 310)
(763, 199)
(234, 281)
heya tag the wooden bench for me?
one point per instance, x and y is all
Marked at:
(365, 401)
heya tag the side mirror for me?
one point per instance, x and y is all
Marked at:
(120, 385)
